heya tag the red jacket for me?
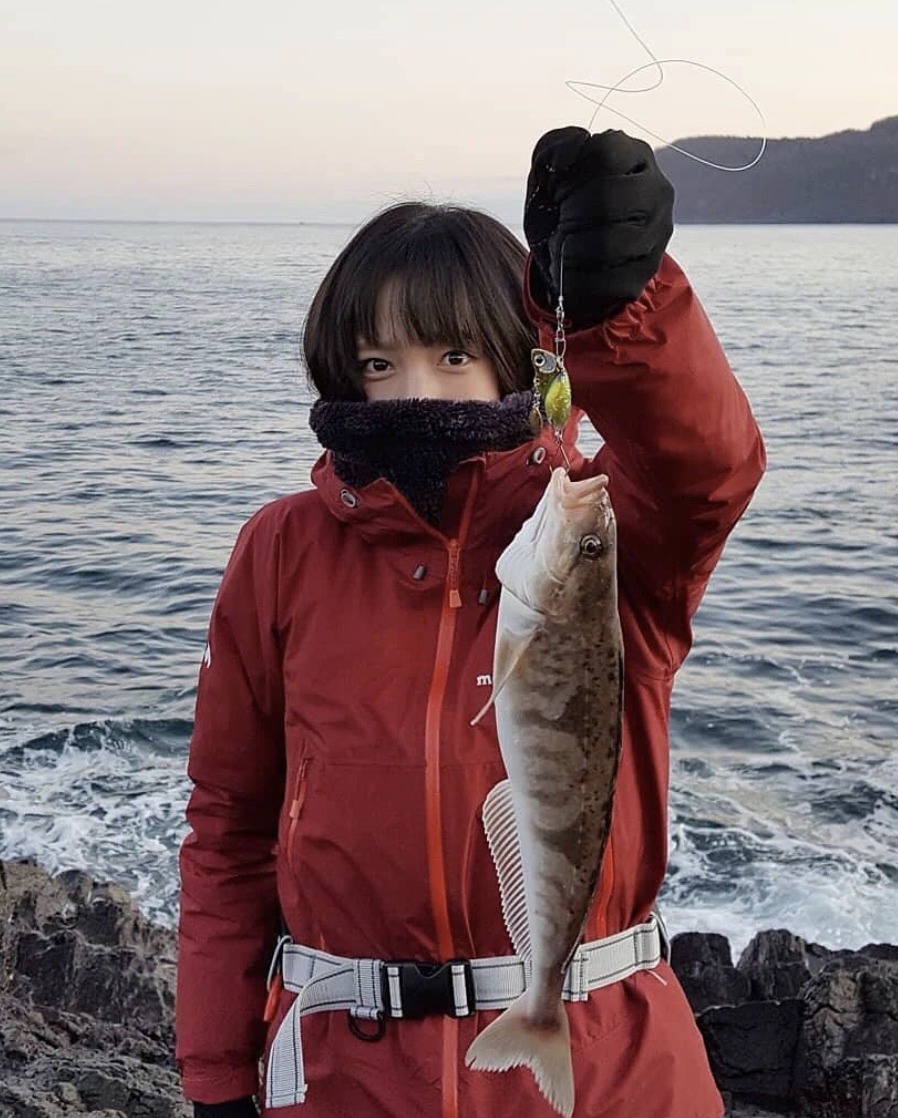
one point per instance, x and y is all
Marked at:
(338, 779)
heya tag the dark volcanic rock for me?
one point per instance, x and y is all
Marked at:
(752, 1049)
(86, 1001)
(858, 1088)
(704, 965)
(850, 1064)
(87, 994)
(737, 1108)
(885, 951)
(779, 964)
(812, 1032)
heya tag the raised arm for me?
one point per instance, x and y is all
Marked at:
(229, 911)
(682, 448)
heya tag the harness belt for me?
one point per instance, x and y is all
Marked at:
(370, 989)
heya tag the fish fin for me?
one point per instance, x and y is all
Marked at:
(516, 630)
(501, 828)
(512, 1041)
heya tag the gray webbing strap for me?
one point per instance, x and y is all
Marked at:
(324, 982)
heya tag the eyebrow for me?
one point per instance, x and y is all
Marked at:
(366, 343)
(393, 344)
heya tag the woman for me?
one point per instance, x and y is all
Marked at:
(338, 782)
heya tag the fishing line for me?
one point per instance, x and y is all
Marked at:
(581, 88)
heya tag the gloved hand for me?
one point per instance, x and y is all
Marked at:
(237, 1108)
(601, 204)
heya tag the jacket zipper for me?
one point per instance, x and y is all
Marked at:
(436, 859)
(452, 574)
(296, 806)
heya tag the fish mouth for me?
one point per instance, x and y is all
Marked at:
(581, 497)
(548, 552)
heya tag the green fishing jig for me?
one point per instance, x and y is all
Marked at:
(551, 384)
(551, 391)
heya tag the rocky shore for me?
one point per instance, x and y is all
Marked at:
(87, 989)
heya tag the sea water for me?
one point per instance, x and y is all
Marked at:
(151, 398)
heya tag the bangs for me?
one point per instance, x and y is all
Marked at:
(447, 308)
(428, 275)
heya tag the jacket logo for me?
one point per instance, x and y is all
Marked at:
(484, 681)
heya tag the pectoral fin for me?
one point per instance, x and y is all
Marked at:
(516, 627)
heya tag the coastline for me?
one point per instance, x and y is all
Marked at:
(87, 995)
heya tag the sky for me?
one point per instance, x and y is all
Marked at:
(320, 110)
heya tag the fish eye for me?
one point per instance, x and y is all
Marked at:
(591, 547)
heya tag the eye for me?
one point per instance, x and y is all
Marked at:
(591, 547)
(457, 357)
(543, 361)
(373, 366)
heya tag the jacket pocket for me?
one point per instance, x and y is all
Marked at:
(294, 811)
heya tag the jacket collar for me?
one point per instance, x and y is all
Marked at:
(510, 484)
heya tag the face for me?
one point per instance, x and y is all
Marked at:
(394, 368)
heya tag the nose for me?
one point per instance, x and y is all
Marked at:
(420, 380)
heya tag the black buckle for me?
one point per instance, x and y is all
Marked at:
(425, 989)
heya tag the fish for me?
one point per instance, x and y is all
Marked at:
(558, 697)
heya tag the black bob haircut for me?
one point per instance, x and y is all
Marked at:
(453, 275)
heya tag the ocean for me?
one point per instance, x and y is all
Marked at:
(151, 398)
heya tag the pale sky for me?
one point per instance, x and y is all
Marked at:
(328, 109)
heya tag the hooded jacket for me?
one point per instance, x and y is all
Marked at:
(338, 782)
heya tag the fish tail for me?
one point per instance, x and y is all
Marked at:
(513, 1040)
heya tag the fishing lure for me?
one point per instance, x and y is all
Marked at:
(551, 384)
(551, 391)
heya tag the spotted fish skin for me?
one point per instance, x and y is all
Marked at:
(558, 697)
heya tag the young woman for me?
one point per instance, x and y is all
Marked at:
(338, 781)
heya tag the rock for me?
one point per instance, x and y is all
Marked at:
(850, 1036)
(87, 994)
(86, 1001)
(779, 964)
(886, 951)
(752, 1049)
(865, 1087)
(704, 965)
(796, 1026)
(738, 1109)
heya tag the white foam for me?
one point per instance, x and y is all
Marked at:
(113, 811)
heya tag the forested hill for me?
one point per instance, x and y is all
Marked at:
(845, 177)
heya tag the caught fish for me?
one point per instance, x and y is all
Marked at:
(558, 696)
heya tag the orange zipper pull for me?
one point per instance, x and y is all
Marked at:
(454, 595)
(295, 809)
(300, 797)
(271, 1004)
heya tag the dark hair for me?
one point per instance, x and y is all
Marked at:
(454, 275)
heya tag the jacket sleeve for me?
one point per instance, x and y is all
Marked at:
(229, 909)
(682, 450)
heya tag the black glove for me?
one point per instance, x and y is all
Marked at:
(602, 204)
(237, 1108)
